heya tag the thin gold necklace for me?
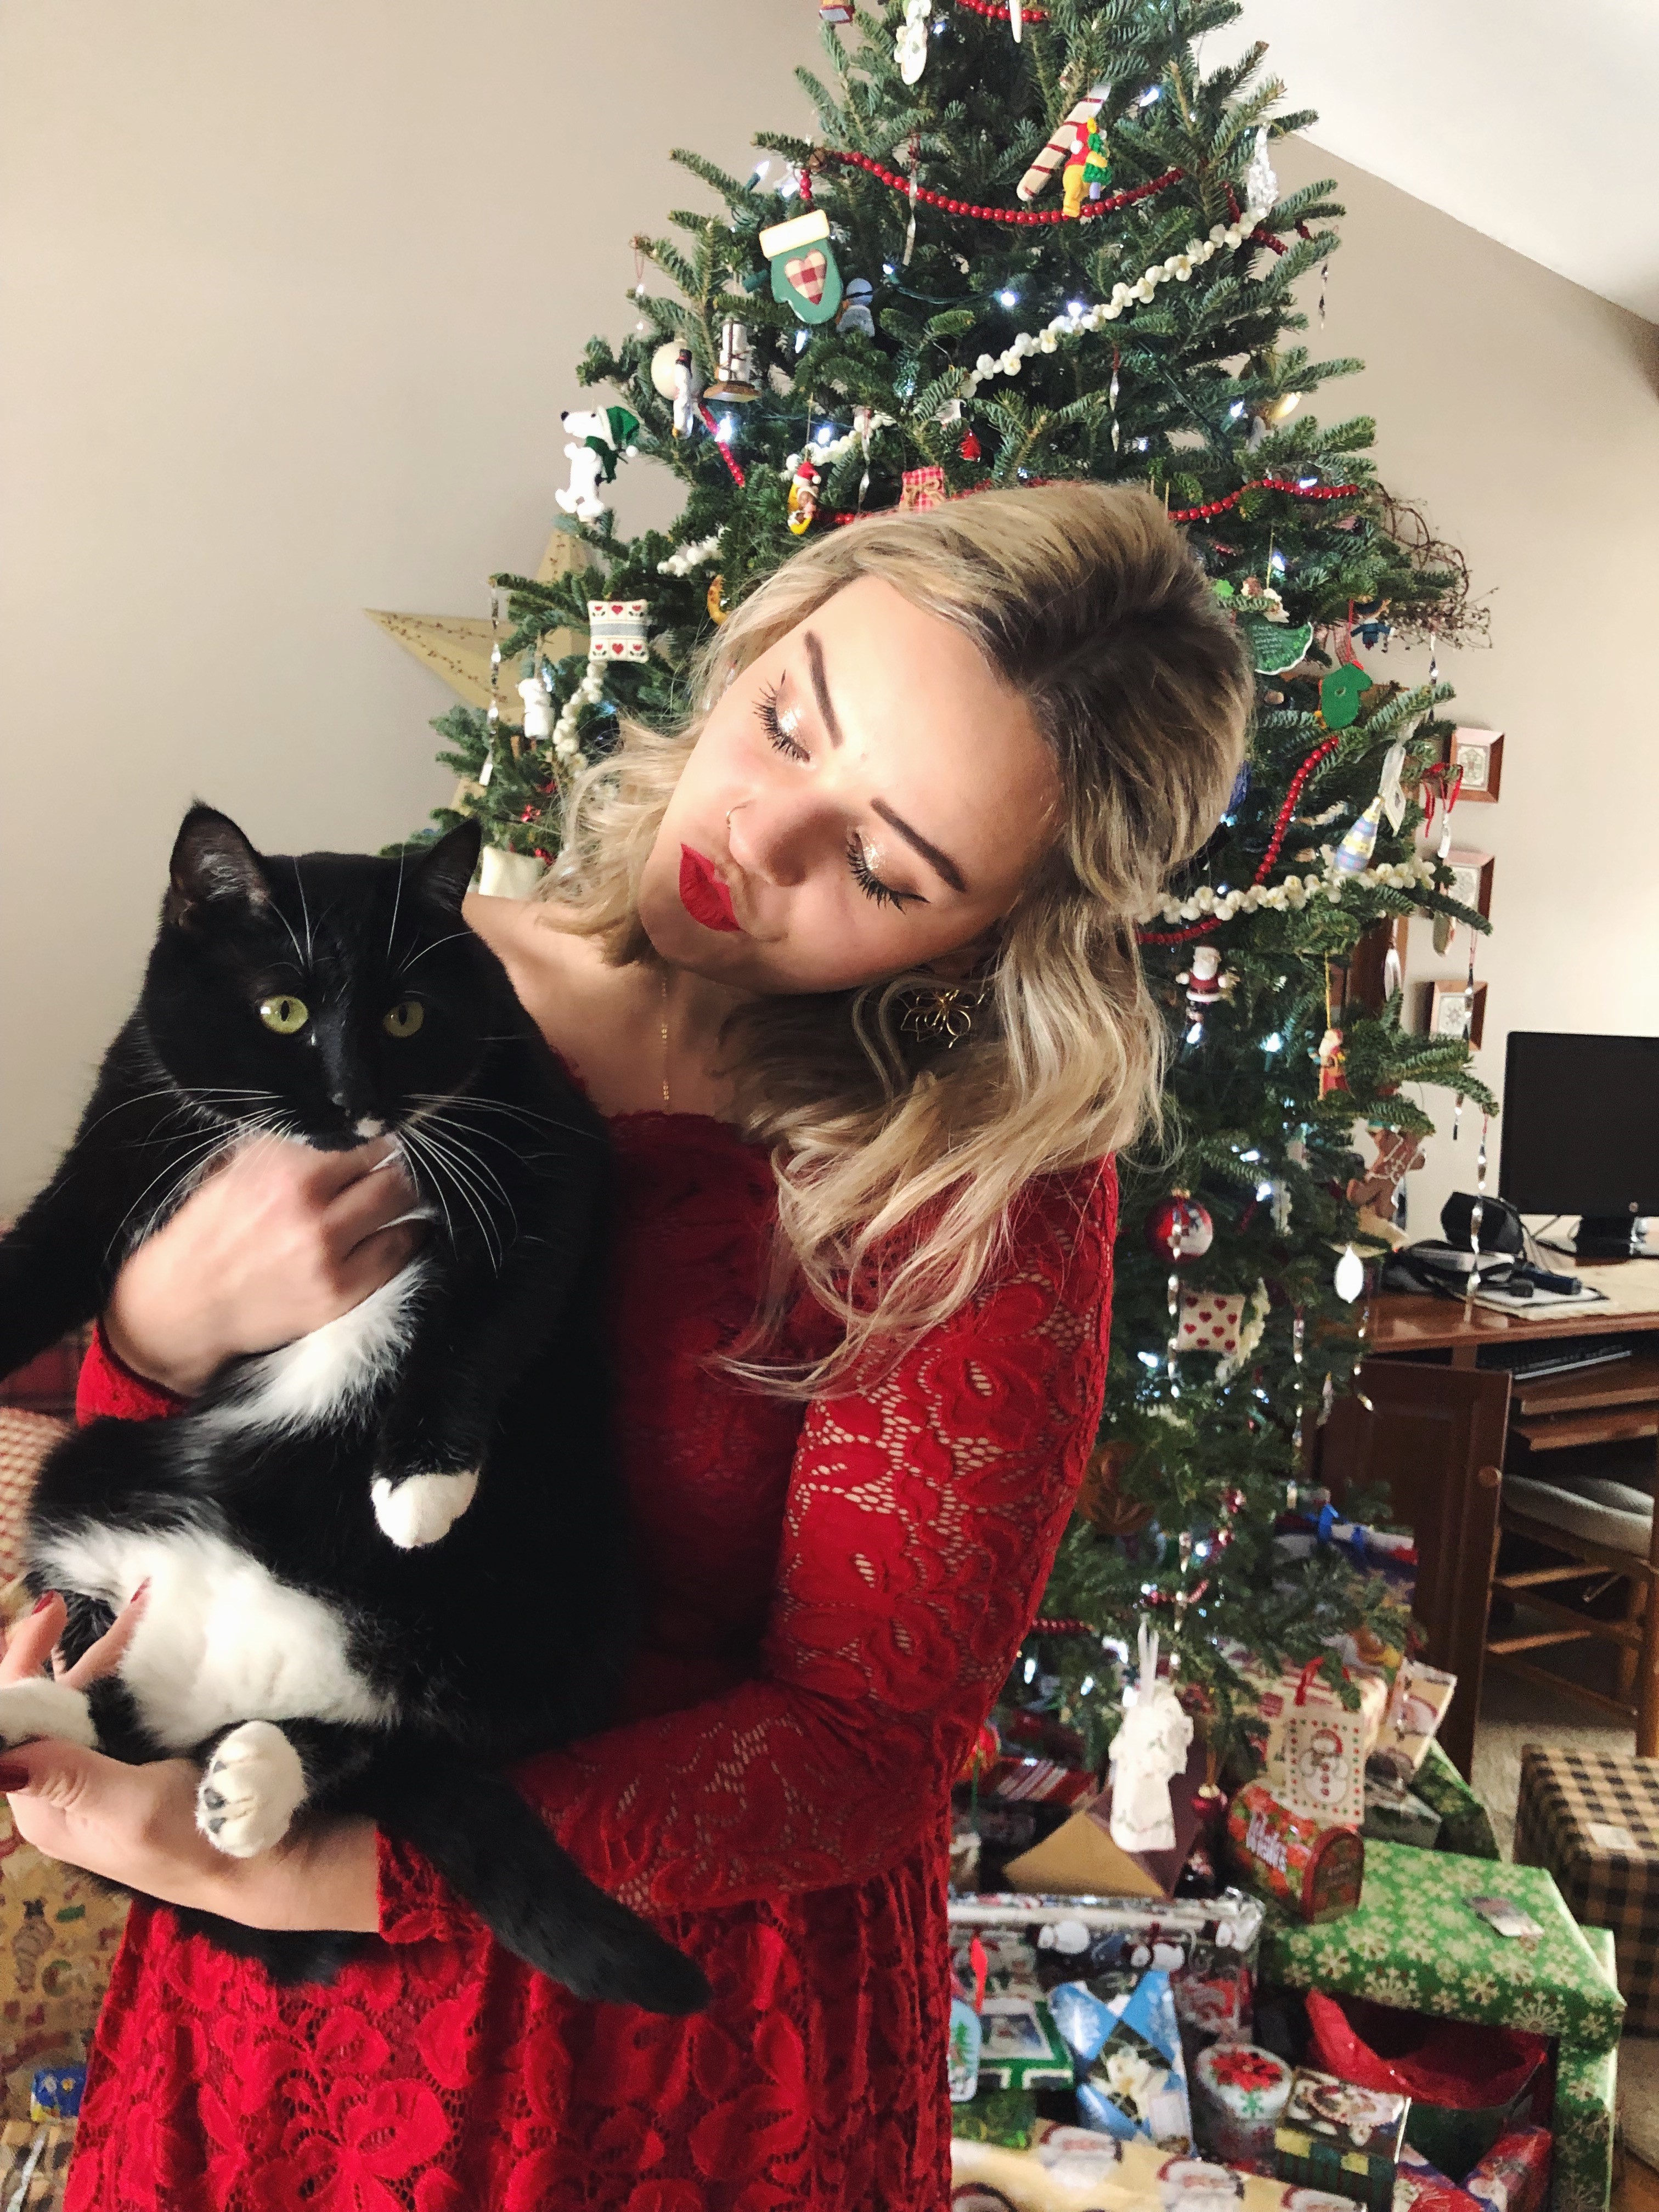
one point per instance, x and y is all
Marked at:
(667, 1100)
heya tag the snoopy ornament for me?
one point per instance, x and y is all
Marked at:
(594, 440)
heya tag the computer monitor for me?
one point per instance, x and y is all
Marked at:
(1581, 1133)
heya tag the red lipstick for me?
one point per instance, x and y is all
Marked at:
(703, 895)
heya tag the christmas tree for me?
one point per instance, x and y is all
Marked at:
(1038, 244)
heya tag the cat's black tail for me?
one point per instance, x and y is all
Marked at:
(493, 1850)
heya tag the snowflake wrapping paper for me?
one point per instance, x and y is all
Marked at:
(1414, 1942)
(1586, 2091)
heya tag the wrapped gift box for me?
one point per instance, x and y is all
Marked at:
(1465, 1824)
(1592, 1818)
(1066, 2170)
(1414, 1942)
(1586, 2093)
(1515, 2174)
(1397, 1815)
(1208, 1945)
(34, 2156)
(1335, 2137)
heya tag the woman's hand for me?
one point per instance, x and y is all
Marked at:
(136, 1825)
(279, 1241)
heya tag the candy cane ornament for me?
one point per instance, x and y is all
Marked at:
(1065, 141)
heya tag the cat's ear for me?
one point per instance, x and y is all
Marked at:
(213, 866)
(447, 867)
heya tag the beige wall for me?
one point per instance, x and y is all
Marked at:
(289, 298)
(291, 292)
(1523, 413)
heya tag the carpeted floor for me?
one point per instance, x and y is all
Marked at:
(1514, 1713)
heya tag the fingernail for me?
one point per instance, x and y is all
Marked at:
(12, 1776)
(41, 1603)
(142, 1590)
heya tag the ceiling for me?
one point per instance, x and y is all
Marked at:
(1529, 121)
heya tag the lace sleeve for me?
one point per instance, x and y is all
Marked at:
(105, 1389)
(923, 1518)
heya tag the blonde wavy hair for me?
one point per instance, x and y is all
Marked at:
(899, 1161)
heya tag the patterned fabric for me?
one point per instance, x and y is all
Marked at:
(833, 1604)
(34, 2159)
(1592, 1818)
(25, 1440)
(1415, 1944)
(46, 1385)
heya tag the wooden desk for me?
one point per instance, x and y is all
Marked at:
(1443, 1431)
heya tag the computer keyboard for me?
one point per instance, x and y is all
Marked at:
(1560, 1355)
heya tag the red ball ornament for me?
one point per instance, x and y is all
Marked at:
(969, 448)
(1179, 1211)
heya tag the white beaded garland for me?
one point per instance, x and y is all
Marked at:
(1292, 893)
(588, 693)
(681, 563)
(823, 455)
(1177, 267)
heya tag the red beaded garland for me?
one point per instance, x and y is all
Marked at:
(1024, 215)
(1203, 928)
(987, 8)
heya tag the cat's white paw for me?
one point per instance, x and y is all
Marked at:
(253, 1786)
(421, 1508)
(43, 1708)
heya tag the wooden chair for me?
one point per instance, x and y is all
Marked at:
(1592, 1527)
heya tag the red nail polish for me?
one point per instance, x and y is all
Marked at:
(41, 1603)
(12, 1776)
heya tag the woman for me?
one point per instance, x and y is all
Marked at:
(850, 965)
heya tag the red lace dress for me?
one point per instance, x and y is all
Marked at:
(835, 1595)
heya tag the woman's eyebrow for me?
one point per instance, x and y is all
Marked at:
(941, 863)
(821, 688)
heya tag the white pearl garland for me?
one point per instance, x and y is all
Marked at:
(1179, 266)
(1293, 893)
(588, 693)
(826, 456)
(688, 557)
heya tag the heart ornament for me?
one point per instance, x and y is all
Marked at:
(1211, 1321)
(807, 272)
(804, 276)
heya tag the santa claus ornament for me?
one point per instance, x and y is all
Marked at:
(803, 496)
(1178, 1228)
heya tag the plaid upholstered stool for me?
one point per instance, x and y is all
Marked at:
(1592, 1818)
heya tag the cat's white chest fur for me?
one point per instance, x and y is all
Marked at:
(326, 1376)
(220, 1640)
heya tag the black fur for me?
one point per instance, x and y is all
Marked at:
(509, 1635)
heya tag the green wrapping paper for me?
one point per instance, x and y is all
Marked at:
(1415, 1944)
(1586, 2089)
(1465, 1824)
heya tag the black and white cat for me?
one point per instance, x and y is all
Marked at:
(389, 1559)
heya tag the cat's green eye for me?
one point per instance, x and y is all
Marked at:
(285, 1015)
(402, 1019)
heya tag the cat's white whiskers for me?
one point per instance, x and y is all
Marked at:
(472, 1196)
(417, 1151)
(305, 909)
(397, 901)
(182, 1171)
(404, 966)
(467, 1182)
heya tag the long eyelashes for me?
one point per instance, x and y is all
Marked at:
(780, 728)
(869, 883)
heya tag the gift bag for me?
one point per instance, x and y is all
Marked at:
(1469, 2084)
